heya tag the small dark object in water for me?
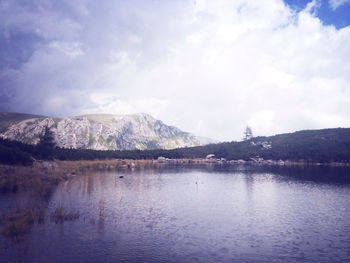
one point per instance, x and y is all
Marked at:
(121, 176)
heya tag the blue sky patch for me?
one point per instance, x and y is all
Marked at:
(339, 17)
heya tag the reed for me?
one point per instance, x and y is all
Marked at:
(16, 225)
(61, 214)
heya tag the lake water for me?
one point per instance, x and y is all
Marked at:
(241, 214)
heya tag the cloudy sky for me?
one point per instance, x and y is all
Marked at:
(208, 67)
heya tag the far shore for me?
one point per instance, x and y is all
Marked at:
(44, 175)
(64, 169)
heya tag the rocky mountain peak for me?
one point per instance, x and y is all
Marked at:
(102, 132)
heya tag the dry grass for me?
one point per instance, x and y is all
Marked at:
(81, 167)
(42, 177)
(17, 178)
(16, 225)
(60, 215)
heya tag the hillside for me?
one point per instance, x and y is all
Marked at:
(98, 131)
(309, 145)
(10, 118)
(324, 146)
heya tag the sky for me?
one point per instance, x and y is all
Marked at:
(207, 67)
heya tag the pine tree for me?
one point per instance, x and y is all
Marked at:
(46, 145)
(248, 134)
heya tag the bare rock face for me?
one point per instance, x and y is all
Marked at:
(103, 132)
(28, 131)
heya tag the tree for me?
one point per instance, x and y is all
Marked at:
(46, 144)
(248, 133)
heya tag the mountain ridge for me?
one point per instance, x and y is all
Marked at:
(97, 131)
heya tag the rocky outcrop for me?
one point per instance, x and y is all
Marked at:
(103, 132)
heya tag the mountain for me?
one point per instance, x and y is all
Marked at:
(9, 118)
(97, 131)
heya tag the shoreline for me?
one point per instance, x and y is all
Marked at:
(252, 161)
(44, 175)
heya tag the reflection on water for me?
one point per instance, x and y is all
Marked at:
(246, 214)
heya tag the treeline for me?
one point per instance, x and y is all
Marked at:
(327, 145)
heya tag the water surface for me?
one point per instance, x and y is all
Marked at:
(246, 214)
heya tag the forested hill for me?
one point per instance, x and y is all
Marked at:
(326, 145)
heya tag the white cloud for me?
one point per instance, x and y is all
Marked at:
(334, 4)
(71, 49)
(107, 103)
(263, 120)
(210, 67)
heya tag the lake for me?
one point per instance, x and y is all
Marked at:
(214, 214)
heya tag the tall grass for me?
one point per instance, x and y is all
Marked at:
(61, 214)
(16, 225)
